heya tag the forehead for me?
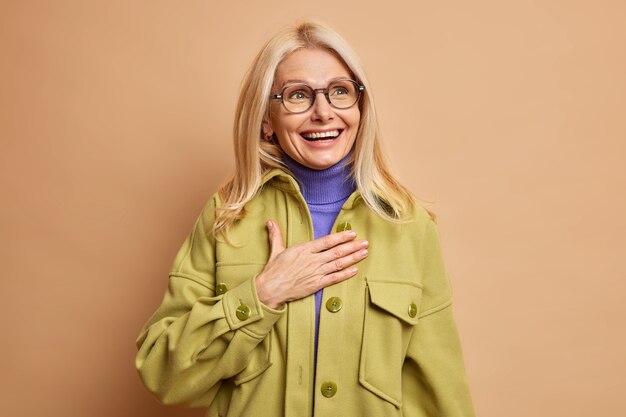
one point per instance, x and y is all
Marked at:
(315, 67)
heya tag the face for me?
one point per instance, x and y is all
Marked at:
(297, 133)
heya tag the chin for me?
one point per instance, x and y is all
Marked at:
(322, 163)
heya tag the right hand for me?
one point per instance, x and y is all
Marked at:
(302, 270)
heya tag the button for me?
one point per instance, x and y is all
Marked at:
(329, 389)
(412, 310)
(344, 226)
(334, 304)
(221, 289)
(243, 312)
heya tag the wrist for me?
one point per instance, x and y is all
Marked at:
(267, 297)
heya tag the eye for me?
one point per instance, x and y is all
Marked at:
(338, 91)
(297, 95)
(300, 94)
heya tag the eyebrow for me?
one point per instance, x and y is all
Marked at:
(296, 81)
(293, 81)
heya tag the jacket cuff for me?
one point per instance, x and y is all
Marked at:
(243, 310)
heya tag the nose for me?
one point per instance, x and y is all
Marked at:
(322, 109)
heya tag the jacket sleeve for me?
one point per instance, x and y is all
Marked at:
(196, 339)
(433, 379)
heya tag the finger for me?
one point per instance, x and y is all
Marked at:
(339, 276)
(342, 250)
(339, 264)
(275, 238)
(332, 240)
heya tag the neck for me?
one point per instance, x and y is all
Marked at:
(324, 186)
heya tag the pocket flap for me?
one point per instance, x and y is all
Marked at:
(402, 299)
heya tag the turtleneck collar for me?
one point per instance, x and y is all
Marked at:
(325, 186)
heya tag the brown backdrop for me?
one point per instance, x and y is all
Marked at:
(115, 121)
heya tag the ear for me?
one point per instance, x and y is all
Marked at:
(267, 129)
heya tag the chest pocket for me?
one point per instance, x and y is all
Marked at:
(391, 312)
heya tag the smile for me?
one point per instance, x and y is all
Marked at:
(317, 136)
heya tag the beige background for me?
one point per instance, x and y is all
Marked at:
(115, 121)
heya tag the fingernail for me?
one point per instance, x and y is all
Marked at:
(269, 224)
(365, 243)
(353, 270)
(364, 252)
(352, 234)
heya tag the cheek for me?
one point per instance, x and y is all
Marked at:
(354, 120)
(282, 124)
(286, 133)
(355, 115)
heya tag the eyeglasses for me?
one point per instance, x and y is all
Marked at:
(340, 94)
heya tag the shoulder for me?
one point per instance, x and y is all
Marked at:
(210, 207)
(420, 217)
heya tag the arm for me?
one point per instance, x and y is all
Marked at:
(433, 378)
(195, 340)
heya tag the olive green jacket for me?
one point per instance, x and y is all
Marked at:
(388, 345)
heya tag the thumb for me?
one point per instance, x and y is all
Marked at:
(275, 239)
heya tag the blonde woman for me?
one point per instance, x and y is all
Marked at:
(312, 283)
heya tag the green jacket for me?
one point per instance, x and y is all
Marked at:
(388, 345)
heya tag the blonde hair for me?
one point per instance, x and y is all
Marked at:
(254, 156)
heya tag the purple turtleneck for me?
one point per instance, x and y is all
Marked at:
(324, 191)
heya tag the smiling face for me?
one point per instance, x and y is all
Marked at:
(323, 135)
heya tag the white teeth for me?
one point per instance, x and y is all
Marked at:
(329, 134)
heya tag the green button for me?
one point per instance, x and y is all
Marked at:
(243, 312)
(343, 226)
(334, 304)
(221, 289)
(412, 310)
(329, 389)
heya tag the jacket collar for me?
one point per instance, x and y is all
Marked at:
(280, 179)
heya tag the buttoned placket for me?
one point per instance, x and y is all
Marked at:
(332, 337)
(301, 375)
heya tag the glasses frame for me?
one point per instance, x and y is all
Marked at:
(359, 89)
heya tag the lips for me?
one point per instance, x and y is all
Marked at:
(321, 136)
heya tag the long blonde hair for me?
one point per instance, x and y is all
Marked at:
(254, 157)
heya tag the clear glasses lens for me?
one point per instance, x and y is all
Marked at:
(299, 98)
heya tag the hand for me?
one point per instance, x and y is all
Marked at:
(302, 270)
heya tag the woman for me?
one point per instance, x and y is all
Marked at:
(274, 306)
